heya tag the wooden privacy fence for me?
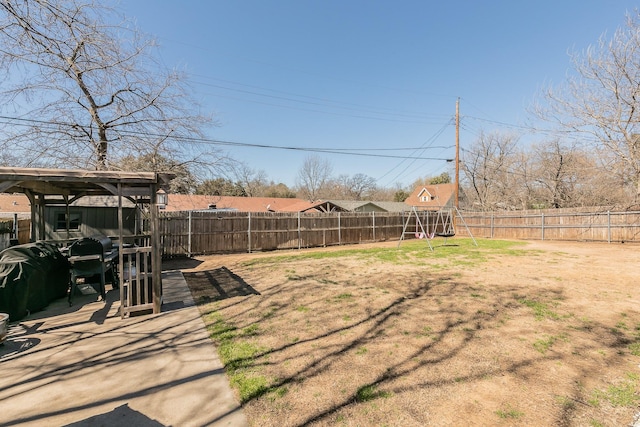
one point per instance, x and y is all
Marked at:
(201, 232)
(14, 229)
(210, 232)
(204, 232)
(573, 225)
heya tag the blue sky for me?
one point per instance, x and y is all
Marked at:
(369, 75)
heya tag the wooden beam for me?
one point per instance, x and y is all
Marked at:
(4, 186)
(156, 256)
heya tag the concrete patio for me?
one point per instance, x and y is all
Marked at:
(85, 366)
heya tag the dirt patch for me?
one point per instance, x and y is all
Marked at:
(544, 333)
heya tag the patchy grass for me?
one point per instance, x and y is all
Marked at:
(509, 412)
(624, 393)
(464, 252)
(406, 336)
(238, 356)
(634, 348)
(541, 310)
(370, 392)
(544, 344)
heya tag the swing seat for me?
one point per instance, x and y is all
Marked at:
(445, 235)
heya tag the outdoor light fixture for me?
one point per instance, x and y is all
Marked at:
(162, 198)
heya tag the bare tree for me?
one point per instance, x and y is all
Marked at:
(356, 187)
(254, 182)
(601, 102)
(556, 174)
(80, 90)
(313, 177)
(361, 186)
(184, 181)
(490, 170)
(568, 176)
(278, 190)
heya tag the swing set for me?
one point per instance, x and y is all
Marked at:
(431, 224)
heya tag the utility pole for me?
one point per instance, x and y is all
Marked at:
(457, 200)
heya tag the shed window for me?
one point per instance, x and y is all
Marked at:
(75, 219)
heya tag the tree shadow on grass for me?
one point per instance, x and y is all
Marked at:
(467, 308)
(224, 282)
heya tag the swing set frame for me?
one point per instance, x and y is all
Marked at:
(440, 223)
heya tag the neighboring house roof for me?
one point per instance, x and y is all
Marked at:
(432, 196)
(11, 203)
(355, 205)
(393, 206)
(323, 206)
(190, 202)
(359, 206)
(303, 206)
(19, 203)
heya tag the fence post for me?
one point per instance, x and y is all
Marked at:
(339, 230)
(299, 233)
(491, 225)
(249, 230)
(542, 225)
(189, 235)
(608, 226)
(373, 216)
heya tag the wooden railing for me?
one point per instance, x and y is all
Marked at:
(136, 292)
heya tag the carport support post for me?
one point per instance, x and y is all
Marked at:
(120, 249)
(339, 231)
(42, 202)
(67, 216)
(156, 256)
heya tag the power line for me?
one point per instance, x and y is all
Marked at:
(296, 108)
(319, 101)
(209, 141)
(415, 158)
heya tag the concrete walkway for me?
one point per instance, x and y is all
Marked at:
(84, 366)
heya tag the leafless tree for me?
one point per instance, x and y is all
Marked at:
(279, 189)
(555, 174)
(313, 176)
(356, 187)
(81, 88)
(254, 182)
(601, 101)
(489, 169)
(184, 181)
